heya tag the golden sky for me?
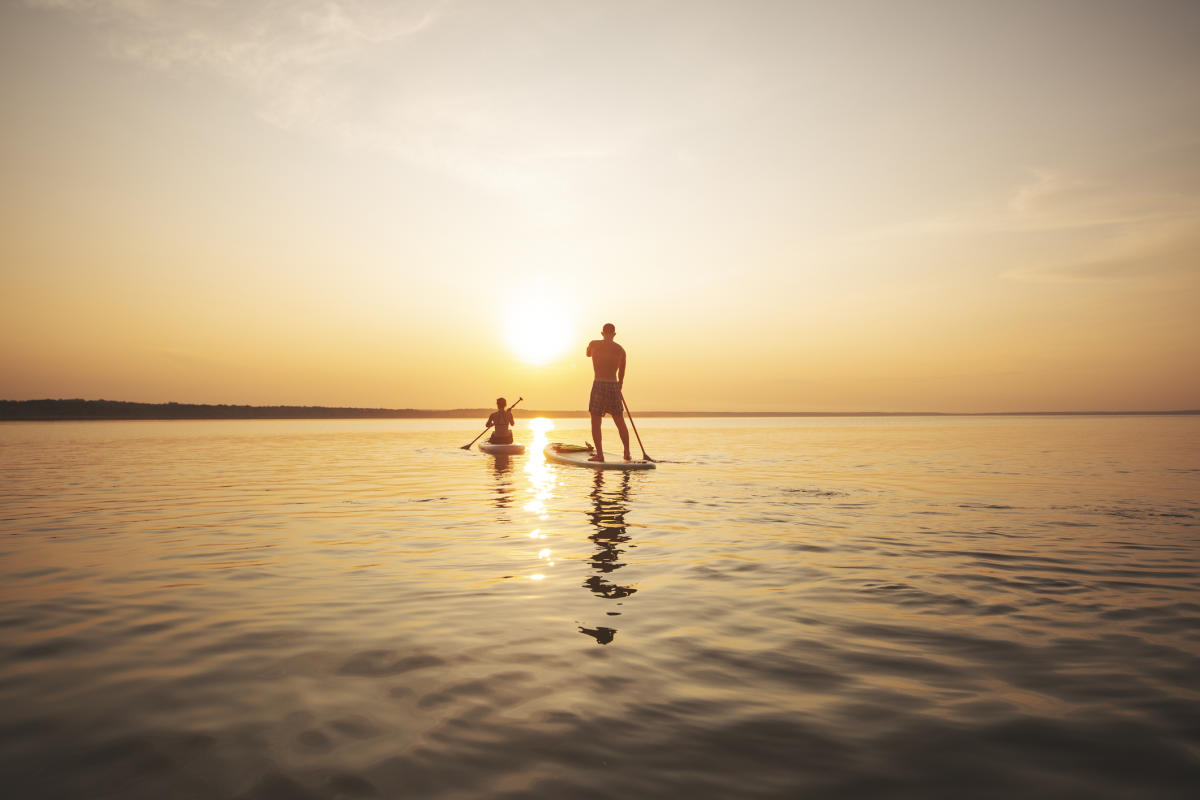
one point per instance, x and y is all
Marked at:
(892, 206)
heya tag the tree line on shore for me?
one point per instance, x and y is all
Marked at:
(34, 410)
(76, 409)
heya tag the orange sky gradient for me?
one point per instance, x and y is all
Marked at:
(782, 206)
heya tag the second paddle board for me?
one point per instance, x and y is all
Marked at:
(560, 454)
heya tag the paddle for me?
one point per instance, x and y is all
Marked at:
(635, 430)
(467, 446)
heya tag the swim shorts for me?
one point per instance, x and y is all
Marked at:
(606, 398)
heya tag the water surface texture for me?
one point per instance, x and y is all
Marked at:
(934, 607)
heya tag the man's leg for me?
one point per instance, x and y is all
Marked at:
(597, 420)
(619, 419)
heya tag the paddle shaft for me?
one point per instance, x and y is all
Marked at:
(467, 446)
(635, 430)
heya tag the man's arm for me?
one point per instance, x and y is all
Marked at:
(589, 348)
(621, 370)
(491, 420)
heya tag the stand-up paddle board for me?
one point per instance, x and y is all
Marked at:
(578, 455)
(502, 449)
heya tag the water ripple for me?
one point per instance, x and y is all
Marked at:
(818, 608)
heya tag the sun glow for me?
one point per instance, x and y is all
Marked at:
(537, 335)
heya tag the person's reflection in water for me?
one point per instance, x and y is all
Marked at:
(608, 516)
(504, 481)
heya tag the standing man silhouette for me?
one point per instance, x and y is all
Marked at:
(608, 364)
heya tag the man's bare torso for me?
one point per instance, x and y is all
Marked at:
(607, 358)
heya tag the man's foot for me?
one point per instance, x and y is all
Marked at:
(596, 457)
(627, 456)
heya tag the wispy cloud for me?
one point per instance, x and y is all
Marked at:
(1058, 200)
(1123, 230)
(1154, 249)
(343, 71)
(283, 54)
(476, 92)
(1088, 227)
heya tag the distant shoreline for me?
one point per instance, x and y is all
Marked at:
(83, 410)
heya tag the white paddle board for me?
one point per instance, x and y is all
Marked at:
(579, 458)
(513, 449)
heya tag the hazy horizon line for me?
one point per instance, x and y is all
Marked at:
(79, 409)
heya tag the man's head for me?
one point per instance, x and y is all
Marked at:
(501, 403)
(608, 331)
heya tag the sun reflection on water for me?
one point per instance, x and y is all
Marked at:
(541, 485)
(537, 459)
(541, 478)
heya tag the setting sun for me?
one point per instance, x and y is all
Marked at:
(538, 336)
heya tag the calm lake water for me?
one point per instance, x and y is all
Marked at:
(940, 607)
